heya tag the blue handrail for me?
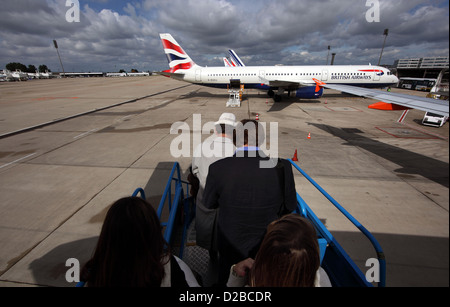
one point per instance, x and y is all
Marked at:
(139, 191)
(173, 204)
(304, 208)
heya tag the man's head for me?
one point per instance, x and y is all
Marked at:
(249, 132)
(226, 124)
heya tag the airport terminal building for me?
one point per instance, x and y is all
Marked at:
(428, 67)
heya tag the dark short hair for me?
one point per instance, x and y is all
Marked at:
(249, 132)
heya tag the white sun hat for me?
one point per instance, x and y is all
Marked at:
(227, 119)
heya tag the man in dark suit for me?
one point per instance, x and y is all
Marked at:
(250, 196)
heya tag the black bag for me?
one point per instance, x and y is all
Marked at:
(194, 182)
(280, 172)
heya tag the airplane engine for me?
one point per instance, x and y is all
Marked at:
(308, 92)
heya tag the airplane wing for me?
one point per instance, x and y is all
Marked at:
(167, 73)
(409, 101)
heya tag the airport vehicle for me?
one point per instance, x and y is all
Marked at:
(305, 82)
(434, 120)
(179, 207)
(418, 84)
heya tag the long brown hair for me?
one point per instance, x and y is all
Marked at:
(131, 249)
(288, 256)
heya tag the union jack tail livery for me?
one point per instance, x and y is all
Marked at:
(177, 57)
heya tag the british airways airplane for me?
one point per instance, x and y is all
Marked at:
(305, 82)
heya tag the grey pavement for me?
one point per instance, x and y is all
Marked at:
(57, 180)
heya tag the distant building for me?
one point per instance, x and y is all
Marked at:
(438, 62)
(428, 67)
(408, 63)
(81, 74)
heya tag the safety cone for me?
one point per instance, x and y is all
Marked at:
(295, 158)
(309, 136)
(257, 116)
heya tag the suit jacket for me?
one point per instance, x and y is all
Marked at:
(249, 198)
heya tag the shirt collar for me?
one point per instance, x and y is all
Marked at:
(248, 148)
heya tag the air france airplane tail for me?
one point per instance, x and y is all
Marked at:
(227, 63)
(235, 59)
(178, 59)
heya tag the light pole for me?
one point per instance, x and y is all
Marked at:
(56, 47)
(333, 55)
(386, 32)
(328, 56)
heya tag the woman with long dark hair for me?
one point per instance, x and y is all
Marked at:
(131, 251)
(289, 256)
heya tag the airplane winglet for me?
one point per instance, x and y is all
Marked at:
(319, 84)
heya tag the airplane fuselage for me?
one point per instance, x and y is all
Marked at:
(260, 76)
(301, 81)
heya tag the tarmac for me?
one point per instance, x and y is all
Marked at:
(71, 147)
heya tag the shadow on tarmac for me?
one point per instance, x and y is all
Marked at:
(410, 163)
(50, 269)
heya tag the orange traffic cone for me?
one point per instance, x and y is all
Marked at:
(295, 158)
(257, 116)
(309, 136)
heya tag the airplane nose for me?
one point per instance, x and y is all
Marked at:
(395, 79)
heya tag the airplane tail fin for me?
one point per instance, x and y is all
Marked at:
(227, 63)
(177, 57)
(235, 59)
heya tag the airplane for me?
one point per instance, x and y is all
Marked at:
(305, 82)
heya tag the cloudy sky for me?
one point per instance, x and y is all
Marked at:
(113, 35)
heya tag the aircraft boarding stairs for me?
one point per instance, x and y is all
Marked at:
(179, 232)
(235, 89)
